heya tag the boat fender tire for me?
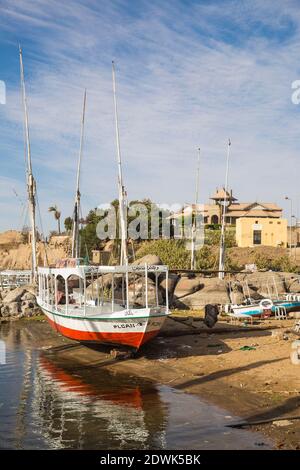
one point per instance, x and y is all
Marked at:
(266, 304)
(211, 315)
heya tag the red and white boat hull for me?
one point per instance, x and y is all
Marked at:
(130, 330)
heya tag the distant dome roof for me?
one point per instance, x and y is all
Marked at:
(221, 194)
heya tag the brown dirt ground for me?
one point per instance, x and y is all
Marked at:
(257, 385)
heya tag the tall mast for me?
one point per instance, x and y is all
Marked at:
(194, 222)
(31, 185)
(75, 235)
(222, 240)
(121, 188)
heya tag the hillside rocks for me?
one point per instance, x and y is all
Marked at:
(236, 293)
(14, 295)
(15, 253)
(292, 283)
(137, 295)
(208, 291)
(172, 282)
(186, 286)
(18, 303)
(263, 283)
(193, 291)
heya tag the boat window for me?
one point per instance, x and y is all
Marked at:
(75, 291)
(60, 298)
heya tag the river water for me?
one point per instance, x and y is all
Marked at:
(44, 404)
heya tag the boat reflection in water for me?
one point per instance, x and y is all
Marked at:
(48, 401)
(96, 410)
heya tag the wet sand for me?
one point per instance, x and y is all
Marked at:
(258, 385)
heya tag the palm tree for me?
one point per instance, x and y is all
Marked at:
(57, 214)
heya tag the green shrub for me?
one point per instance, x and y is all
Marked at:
(212, 237)
(213, 226)
(172, 252)
(206, 259)
(281, 263)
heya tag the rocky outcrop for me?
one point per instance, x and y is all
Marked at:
(14, 295)
(211, 291)
(236, 294)
(187, 286)
(172, 282)
(137, 293)
(104, 282)
(148, 259)
(15, 253)
(263, 283)
(18, 303)
(292, 283)
(236, 297)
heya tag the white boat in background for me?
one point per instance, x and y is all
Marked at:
(267, 307)
(259, 309)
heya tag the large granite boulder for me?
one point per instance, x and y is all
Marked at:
(19, 302)
(14, 309)
(109, 246)
(14, 295)
(186, 286)
(137, 293)
(5, 311)
(106, 279)
(214, 291)
(236, 293)
(292, 283)
(28, 296)
(236, 297)
(149, 259)
(263, 283)
(172, 282)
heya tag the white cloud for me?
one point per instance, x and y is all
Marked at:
(181, 84)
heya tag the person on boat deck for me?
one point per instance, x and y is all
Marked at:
(60, 298)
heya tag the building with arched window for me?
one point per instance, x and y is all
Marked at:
(212, 213)
(257, 223)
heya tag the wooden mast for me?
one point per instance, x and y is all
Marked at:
(121, 188)
(222, 240)
(31, 185)
(194, 216)
(75, 234)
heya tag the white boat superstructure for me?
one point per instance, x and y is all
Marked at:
(121, 305)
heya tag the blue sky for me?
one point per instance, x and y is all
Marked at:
(189, 74)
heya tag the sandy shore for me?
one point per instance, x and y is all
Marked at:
(259, 384)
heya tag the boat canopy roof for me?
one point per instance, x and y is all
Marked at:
(82, 271)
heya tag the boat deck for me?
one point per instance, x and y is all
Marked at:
(100, 311)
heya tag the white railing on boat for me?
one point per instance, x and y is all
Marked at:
(65, 289)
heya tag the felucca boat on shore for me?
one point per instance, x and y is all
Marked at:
(119, 305)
